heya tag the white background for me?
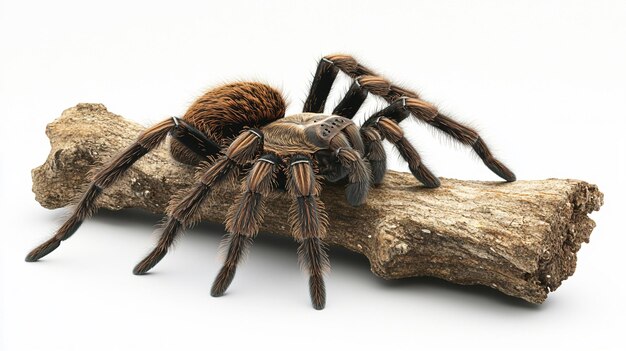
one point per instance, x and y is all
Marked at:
(544, 82)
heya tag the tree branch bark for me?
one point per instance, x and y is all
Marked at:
(520, 238)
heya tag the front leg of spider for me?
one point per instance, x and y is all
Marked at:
(184, 213)
(309, 223)
(359, 173)
(114, 169)
(245, 217)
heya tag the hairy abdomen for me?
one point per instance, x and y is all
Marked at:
(221, 113)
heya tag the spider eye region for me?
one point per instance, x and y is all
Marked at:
(321, 129)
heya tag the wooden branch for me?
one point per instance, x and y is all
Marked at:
(520, 238)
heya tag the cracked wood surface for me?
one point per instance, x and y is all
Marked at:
(520, 238)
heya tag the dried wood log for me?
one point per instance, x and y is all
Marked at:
(520, 238)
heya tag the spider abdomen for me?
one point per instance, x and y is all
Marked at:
(222, 112)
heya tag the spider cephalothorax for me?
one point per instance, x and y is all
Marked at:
(241, 129)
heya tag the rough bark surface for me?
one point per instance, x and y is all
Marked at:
(520, 238)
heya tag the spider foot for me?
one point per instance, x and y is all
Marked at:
(317, 291)
(356, 193)
(491, 162)
(223, 280)
(43, 249)
(150, 261)
(379, 168)
(498, 168)
(425, 176)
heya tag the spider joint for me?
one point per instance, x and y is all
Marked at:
(299, 161)
(255, 132)
(267, 160)
(357, 82)
(403, 98)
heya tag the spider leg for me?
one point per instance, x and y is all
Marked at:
(392, 132)
(359, 173)
(112, 171)
(184, 212)
(354, 136)
(375, 153)
(386, 122)
(370, 143)
(320, 87)
(309, 223)
(245, 217)
(194, 140)
(373, 149)
(352, 101)
(422, 110)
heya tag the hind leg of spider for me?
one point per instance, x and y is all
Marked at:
(112, 171)
(245, 217)
(425, 112)
(183, 212)
(195, 141)
(309, 223)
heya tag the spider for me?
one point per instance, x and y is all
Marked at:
(240, 131)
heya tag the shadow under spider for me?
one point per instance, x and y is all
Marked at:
(339, 257)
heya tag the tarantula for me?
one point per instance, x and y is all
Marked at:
(241, 128)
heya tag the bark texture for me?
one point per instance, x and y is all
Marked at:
(520, 238)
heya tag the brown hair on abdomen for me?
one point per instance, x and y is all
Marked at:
(222, 112)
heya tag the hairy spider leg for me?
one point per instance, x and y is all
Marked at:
(323, 80)
(357, 94)
(386, 122)
(194, 140)
(320, 87)
(353, 133)
(309, 223)
(114, 169)
(359, 173)
(245, 217)
(352, 101)
(367, 144)
(375, 153)
(420, 109)
(184, 211)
